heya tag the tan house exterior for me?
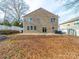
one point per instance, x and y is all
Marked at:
(40, 21)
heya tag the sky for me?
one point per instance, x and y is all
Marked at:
(52, 6)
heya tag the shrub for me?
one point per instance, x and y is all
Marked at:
(17, 23)
(7, 32)
(58, 32)
(6, 22)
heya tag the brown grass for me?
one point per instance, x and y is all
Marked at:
(40, 47)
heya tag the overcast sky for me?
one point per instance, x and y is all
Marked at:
(52, 6)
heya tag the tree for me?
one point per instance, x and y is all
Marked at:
(1, 23)
(17, 23)
(6, 22)
(13, 9)
(72, 4)
(21, 24)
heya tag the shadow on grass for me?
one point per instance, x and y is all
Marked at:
(2, 38)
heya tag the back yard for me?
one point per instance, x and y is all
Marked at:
(40, 47)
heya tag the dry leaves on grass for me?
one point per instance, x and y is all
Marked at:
(40, 47)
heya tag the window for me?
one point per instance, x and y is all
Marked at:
(34, 27)
(44, 29)
(27, 27)
(52, 27)
(31, 27)
(52, 19)
(29, 19)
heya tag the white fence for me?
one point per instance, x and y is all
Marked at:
(3, 27)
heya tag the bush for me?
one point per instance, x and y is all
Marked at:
(58, 32)
(17, 23)
(7, 32)
(6, 22)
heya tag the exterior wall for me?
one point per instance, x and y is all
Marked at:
(71, 27)
(40, 19)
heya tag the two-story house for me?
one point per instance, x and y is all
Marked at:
(71, 27)
(40, 21)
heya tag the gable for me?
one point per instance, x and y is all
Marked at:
(41, 11)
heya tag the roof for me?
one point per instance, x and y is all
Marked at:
(72, 20)
(40, 10)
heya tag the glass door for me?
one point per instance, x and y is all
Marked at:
(44, 29)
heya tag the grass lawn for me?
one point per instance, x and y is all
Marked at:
(40, 47)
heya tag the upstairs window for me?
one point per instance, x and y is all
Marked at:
(52, 19)
(29, 19)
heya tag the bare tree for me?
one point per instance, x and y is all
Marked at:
(13, 9)
(71, 4)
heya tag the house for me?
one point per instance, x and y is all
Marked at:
(40, 21)
(71, 27)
